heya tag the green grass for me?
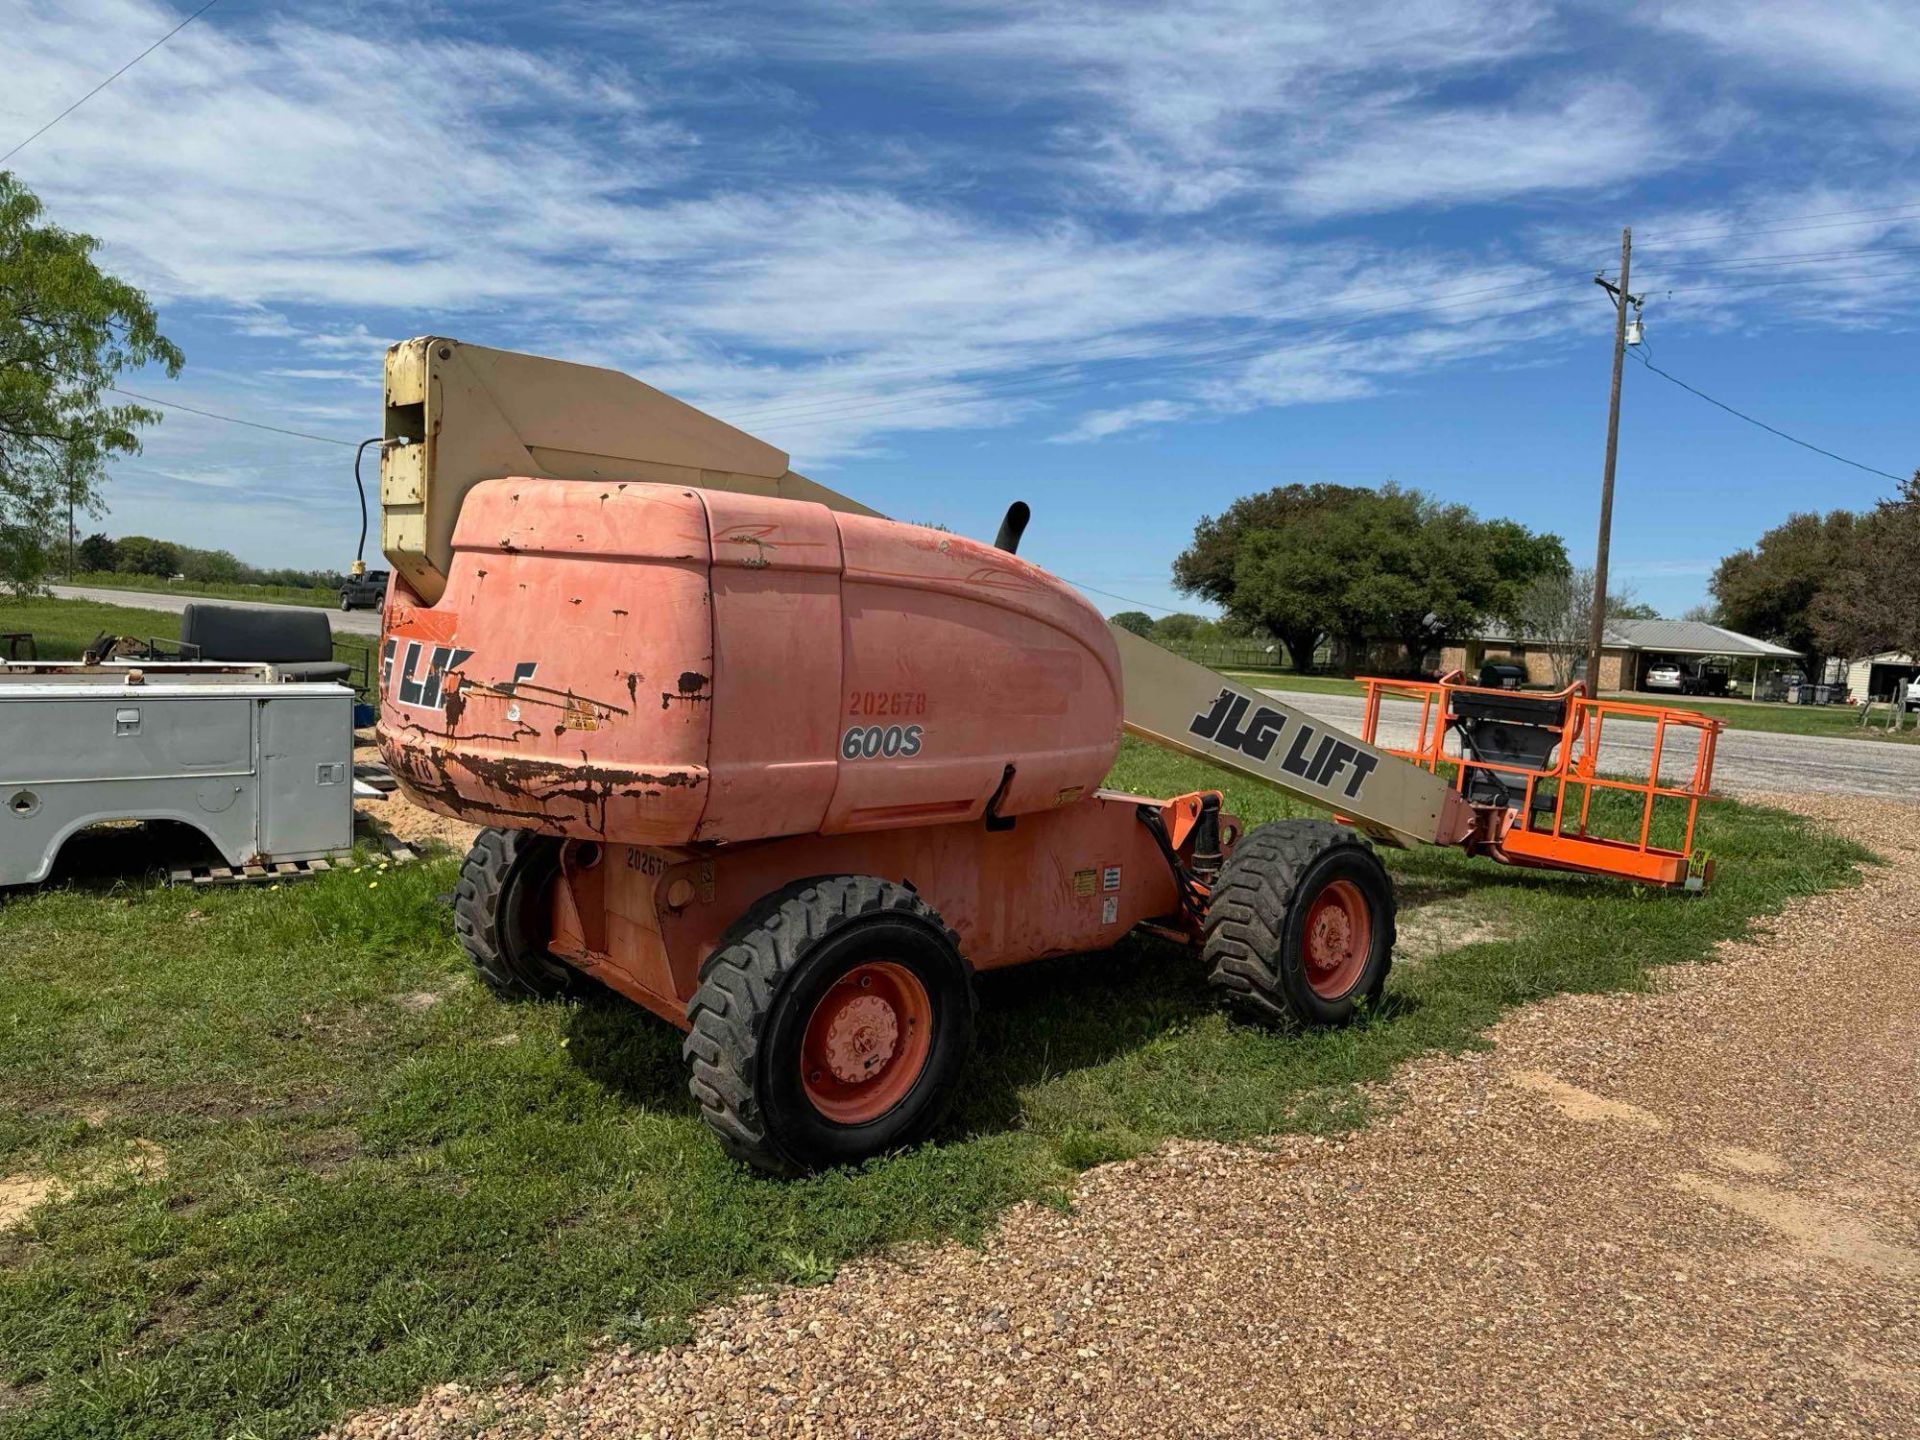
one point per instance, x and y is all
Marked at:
(62, 629)
(366, 1194)
(1287, 680)
(1835, 721)
(209, 589)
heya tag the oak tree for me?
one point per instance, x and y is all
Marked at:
(67, 331)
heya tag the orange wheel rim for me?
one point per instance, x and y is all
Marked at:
(866, 1042)
(1338, 940)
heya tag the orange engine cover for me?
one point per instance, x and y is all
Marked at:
(663, 666)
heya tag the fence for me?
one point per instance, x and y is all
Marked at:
(1233, 655)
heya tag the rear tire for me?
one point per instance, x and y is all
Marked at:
(1300, 926)
(503, 913)
(830, 1025)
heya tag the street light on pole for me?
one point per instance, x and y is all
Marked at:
(1622, 298)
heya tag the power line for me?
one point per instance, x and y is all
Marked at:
(1796, 257)
(108, 81)
(1825, 277)
(1081, 584)
(1064, 374)
(1887, 213)
(1770, 429)
(230, 419)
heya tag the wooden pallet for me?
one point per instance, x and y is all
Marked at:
(373, 781)
(395, 849)
(250, 874)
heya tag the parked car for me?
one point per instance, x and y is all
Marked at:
(1704, 678)
(364, 592)
(1665, 675)
(1913, 693)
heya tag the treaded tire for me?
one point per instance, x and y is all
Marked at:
(501, 914)
(758, 991)
(1254, 940)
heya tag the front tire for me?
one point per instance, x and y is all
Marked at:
(503, 914)
(1300, 926)
(831, 1025)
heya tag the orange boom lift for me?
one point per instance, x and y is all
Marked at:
(790, 774)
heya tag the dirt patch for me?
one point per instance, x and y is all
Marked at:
(422, 829)
(1820, 1232)
(329, 1151)
(19, 1194)
(408, 822)
(1578, 1104)
(1426, 932)
(1745, 1161)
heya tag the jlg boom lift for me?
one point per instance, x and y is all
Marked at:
(790, 774)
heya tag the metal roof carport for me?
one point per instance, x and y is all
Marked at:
(1698, 640)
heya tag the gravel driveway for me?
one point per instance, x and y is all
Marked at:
(1746, 761)
(1689, 1212)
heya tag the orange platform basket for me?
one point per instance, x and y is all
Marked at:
(1529, 764)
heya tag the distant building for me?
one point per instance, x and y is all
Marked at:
(1880, 677)
(1631, 648)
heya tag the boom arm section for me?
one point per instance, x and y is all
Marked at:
(1181, 706)
(458, 414)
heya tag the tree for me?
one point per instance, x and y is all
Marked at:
(1705, 614)
(1390, 564)
(1870, 602)
(210, 566)
(98, 553)
(1138, 621)
(1770, 590)
(67, 330)
(1286, 583)
(1183, 627)
(139, 555)
(1207, 566)
(1555, 613)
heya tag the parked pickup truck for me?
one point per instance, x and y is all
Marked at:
(1913, 693)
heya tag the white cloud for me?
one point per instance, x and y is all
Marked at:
(1159, 208)
(1583, 137)
(1849, 44)
(1193, 103)
(1099, 424)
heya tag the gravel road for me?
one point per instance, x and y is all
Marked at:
(348, 622)
(1694, 1211)
(1746, 761)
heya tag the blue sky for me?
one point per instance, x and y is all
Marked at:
(1125, 262)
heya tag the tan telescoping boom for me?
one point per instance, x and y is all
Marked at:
(459, 414)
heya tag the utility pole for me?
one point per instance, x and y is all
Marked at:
(70, 503)
(1597, 625)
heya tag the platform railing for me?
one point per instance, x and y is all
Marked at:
(1520, 835)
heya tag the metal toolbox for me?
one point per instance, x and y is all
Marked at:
(261, 766)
